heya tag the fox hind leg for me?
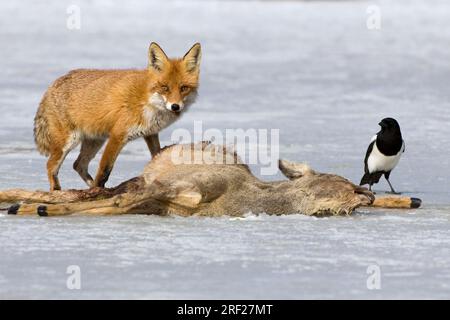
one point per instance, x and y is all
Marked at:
(53, 165)
(58, 153)
(89, 148)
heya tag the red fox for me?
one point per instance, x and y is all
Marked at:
(90, 106)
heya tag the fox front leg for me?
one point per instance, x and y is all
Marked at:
(153, 144)
(112, 150)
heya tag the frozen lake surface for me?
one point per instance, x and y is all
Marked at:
(312, 70)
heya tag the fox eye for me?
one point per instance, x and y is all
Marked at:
(184, 88)
(164, 88)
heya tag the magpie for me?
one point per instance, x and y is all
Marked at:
(383, 153)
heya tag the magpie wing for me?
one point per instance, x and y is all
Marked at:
(369, 151)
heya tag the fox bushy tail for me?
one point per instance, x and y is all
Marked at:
(41, 130)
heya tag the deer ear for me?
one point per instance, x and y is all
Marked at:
(294, 170)
(192, 58)
(157, 59)
(181, 192)
(190, 199)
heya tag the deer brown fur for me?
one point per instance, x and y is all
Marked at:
(202, 179)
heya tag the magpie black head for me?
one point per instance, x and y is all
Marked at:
(390, 125)
(389, 139)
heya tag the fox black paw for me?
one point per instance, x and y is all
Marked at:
(13, 209)
(104, 177)
(42, 211)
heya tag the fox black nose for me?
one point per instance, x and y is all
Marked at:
(175, 107)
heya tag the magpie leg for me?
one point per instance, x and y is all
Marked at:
(370, 188)
(392, 189)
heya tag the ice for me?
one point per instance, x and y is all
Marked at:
(312, 70)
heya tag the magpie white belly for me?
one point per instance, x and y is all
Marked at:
(379, 162)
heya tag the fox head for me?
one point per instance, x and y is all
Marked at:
(176, 80)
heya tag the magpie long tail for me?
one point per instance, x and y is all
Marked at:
(370, 178)
(365, 179)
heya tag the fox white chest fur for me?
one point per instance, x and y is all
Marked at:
(155, 117)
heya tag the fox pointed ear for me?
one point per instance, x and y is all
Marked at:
(157, 59)
(192, 58)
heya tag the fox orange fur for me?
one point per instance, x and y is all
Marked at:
(91, 106)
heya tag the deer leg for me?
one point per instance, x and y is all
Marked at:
(22, 195)
(120, 204)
